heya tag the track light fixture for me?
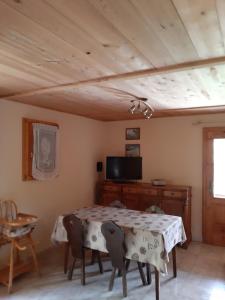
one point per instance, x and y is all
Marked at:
(140, 106)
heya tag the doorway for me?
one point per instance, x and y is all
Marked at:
(214, 185)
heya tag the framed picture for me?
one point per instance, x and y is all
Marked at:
(132, 149)
(132, 133)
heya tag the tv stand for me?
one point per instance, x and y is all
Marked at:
(172, 199)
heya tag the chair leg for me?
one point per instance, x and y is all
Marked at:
(33, 252)
(124, 280)
(157, 285)
(83, 270)
(148, 272)
(70, 273)
(174, 262)
(99, 262)
(18, 260)
(127, 264)
(141, 273)
(66, 256)
(93, 255)
(111, 282)
(11, 265)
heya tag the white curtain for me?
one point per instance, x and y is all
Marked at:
(45, 151)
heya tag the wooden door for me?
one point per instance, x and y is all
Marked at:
(214, 185)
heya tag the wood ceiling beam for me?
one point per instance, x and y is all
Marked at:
(124, 76)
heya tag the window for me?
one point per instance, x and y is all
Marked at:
(219, 168)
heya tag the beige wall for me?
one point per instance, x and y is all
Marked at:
(80, 149)
(171, 149)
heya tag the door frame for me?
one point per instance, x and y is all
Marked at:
(209, 133)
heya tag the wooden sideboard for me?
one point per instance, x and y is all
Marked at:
(172, 199)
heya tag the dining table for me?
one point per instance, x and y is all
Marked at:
(149, 238)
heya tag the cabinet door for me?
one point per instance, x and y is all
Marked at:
(173, 207)
(131, 201)
(109, 197)
(147, 201)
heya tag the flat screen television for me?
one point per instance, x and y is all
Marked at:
(121, 168)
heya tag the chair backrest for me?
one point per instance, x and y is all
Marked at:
(117, 204)
(75, 235)
(154, 209)
(115, 243)
(8, 210)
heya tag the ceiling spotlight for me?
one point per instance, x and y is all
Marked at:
(140, 105)
(145, 111)
(132, 108)
(148, 114)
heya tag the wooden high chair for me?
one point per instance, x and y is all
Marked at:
(15, 229)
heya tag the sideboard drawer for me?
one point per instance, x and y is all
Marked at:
(150, 192)
(131, 190)
(174, 194)
(112, 188)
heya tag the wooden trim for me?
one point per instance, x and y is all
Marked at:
(204, 184)
(27, 146)
(125, 76)
(189, 111)
(209, 133)
(157, 114)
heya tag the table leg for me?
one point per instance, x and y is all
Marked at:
(141, 273)
(174, 262)
(157, 284)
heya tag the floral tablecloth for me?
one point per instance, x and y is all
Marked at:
(149, 237)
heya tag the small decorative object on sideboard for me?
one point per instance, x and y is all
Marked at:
(159, 182)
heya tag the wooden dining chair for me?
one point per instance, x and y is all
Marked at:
(154, 209)
(75, 235)
(117, 204)
(115, 244)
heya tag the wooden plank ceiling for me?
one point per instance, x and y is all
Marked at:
(73, 55)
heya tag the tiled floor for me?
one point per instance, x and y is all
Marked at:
(201, 276)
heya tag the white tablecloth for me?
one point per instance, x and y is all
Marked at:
(149, 237)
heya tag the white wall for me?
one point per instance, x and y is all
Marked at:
(171, 149)
(80, 149)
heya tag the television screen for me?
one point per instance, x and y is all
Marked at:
(123, 168)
